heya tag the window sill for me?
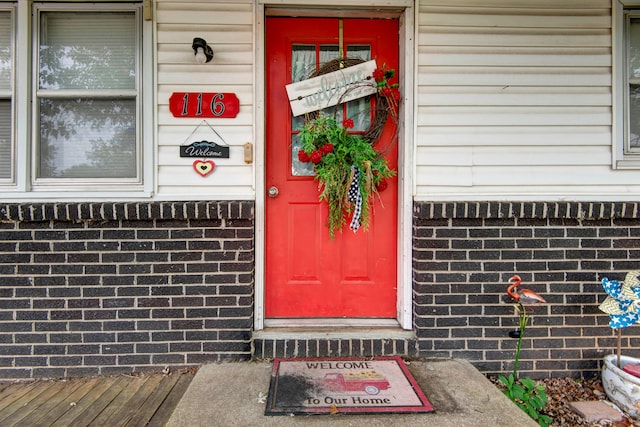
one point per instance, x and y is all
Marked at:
(73, 196)
(628, 163)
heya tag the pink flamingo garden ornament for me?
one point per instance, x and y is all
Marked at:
(522, 295)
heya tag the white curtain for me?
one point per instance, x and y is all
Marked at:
(359, 109)
(5, 94)
(88, 136)
(634, 81)
(87, 50)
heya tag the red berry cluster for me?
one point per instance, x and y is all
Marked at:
(315, 156)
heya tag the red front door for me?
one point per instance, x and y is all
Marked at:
(308, 275)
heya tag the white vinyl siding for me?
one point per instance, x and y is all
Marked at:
(514, 101)
(228, 28)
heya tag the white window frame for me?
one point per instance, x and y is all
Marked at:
(624, 157)
(25, 186)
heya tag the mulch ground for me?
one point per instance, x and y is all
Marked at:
(563, 391)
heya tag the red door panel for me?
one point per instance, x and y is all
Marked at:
(308, 275)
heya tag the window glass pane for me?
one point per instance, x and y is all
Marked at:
(359, 110)
(5, 50)
(5, 139)
(634, 48)
(297, 167)
(634, 116)
(303, 62)
(634, 81)
(6, 54)
(85, 138)
(298, 122)
(86, 50)
(334, 111)
(359, 51)
(328, 52)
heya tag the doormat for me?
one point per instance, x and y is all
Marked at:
(344, 385)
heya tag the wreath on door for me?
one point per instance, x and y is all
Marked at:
(349, 169)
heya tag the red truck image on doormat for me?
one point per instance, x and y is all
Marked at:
(371, 382)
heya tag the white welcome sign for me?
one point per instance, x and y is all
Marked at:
(332, 88)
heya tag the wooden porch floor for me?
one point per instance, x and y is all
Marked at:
(123, 400)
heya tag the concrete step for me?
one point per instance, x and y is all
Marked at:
(231, 394)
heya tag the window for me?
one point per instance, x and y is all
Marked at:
(627, 83)
(632, 86)
(84, 130)
(6, 77)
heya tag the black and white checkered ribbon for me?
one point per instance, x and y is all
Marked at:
(355, 197)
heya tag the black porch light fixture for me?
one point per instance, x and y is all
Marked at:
(203, 52)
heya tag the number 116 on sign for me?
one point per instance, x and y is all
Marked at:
(204, 104)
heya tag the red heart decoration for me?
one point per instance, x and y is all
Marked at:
(204, 167)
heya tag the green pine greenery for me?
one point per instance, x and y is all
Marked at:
(333, 168)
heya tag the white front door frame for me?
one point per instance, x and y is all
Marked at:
(406, 138)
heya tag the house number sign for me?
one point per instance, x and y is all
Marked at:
(204, 104)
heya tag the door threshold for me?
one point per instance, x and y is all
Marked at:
(332, 329)
(330, 322)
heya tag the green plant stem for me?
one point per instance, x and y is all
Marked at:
(524, 319)
(531, 398)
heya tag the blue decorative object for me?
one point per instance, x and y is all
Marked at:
(623, 300)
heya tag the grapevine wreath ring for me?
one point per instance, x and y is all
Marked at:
(385, 105)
